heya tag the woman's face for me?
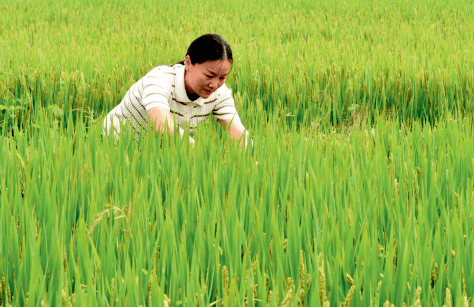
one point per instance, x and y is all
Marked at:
(203, 79)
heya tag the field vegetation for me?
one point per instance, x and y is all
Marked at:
(361, 118)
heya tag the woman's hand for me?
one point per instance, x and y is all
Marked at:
(236, 130)
(163, 119)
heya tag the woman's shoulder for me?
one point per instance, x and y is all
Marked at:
(165, 70)
(163, 73)
(223, 91)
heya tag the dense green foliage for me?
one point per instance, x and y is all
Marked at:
(360, 114)
(313, 59)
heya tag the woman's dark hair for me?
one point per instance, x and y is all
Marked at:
(209, 47)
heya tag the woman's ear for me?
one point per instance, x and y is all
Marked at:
(187, 62)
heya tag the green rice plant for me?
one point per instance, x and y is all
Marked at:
(410, 60)
(362, 130)
(90, 220)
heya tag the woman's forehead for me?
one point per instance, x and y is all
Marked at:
(217, 67)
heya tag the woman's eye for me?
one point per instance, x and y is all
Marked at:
(209, 76)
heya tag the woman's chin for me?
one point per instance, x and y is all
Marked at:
(205, 94)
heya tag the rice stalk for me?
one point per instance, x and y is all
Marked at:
(322, 285)
(418, 297)
(347, 302)
(349, 279)
(447, 299)
(434, 275)
(288, 298)
(302, 273)
(225, 280)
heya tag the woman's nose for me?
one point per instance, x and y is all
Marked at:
(214, 84)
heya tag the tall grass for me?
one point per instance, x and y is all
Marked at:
(315, 60)
(360, 114)
(89, 220)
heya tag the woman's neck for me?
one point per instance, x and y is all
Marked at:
(189, 92)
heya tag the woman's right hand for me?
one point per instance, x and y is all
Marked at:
(163, 120)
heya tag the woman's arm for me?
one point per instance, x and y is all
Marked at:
(236, 130)
(163, 121)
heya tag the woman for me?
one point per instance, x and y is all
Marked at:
(184, 94)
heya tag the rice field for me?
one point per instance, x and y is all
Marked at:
(361, 118)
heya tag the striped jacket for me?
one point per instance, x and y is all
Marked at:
(164, 87)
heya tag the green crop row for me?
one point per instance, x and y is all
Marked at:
(92, 221)
(315, 61)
